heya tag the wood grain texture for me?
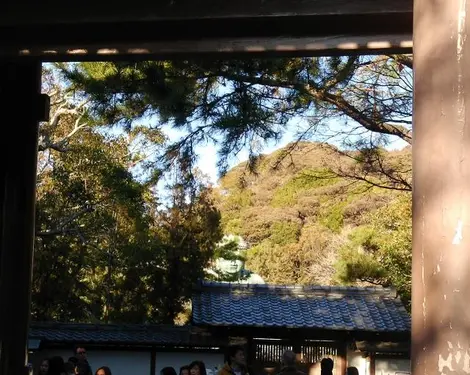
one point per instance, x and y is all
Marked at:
(441, 189)
(319, 46)
(60, 12)
(354, 24)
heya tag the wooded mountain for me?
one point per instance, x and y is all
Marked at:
(346, 219)
(309, 219)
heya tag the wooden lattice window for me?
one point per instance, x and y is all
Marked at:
(314, 352)
(270, 352)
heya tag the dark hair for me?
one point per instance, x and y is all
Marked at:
(82, 367)
(69, 367)
(167, 371)
(56, 366)
(352, 371)
(201, 365)
(232, 352)
(326, 365)
(106, 370)
(183, 368)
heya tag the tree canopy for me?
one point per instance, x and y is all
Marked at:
(108, 243)
(242, 104)
(106, 248)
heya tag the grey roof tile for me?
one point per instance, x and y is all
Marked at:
(110, 334)
(339, 308)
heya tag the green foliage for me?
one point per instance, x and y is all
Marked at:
(280, 264)
(283, 233)
(229, 251)
(241, 102)
(303, 181)
(239, 199)
(331, 231)
(380, 252)
(357, 261)
(332, 216)
(104, 251)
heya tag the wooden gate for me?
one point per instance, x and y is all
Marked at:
(268, 356)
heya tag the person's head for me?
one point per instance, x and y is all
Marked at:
(44, 367)
(352, 371)
(184, 370)
(80, 352)
(167, 371)
(82, 367)
(69, 367)
(288, 358)
(73, 360)
(197, 368)
(103, 370)
(56, 366)
(326, 366)
(236, 356)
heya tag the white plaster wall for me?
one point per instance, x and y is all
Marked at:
(120, 362)
(177, 360)
(392, 366)
(356, 359)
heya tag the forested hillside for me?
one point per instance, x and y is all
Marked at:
(312, 214)
(126, 223)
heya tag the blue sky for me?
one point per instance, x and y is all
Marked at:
(208, 153)
(207, 161)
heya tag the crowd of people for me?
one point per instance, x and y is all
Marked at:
(75, 365)
(236, 365)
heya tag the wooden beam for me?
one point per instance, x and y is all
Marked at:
(308, 334)
(441, 188)
(383, 346)
(220, 48)
(206, 26)
(30, 12)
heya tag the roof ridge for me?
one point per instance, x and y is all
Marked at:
(298, 289)
(108, 326)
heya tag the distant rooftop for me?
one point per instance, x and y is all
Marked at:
(374, 309)
(118, 334)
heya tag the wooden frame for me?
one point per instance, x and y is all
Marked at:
(308, 334)
(54, 29)
(26, 12)
(225, 48)
(54, 32)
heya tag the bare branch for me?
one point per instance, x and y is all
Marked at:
(62, 227)
(394, 181)
(406, 60)
(373, 124)
(59, 146)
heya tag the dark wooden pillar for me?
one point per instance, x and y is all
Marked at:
(371, 363)
(441, 195)
(341, 362)
(250, 351)
(20, 104)
(153, 362)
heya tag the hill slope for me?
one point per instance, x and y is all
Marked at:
(305, 223)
